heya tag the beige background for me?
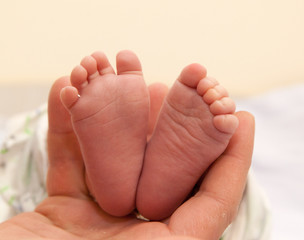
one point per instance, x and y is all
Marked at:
(249, 46)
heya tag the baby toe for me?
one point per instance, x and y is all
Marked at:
(69, 96)
(205, 84)
(192, 74)
(79, 77)
(215, 93)
(103, 64)
(226, 123)
(90, 65)
(128, 63)
(222, 106)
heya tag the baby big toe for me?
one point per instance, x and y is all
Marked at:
(127, 62)
(192, 74)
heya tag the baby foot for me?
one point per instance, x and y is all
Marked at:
(193, 129)
(110, 114)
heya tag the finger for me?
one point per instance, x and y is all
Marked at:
(230, 171)
(213, 208)
(66, 169)
(158, 92)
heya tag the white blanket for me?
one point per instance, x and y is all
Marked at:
(278, 160)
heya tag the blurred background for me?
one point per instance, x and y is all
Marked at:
(249, 46)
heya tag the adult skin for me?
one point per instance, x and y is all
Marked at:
(70, 212)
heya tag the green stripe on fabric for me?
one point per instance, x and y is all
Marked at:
(4, 151)
(27, 129)
(4, 189)
(11, 200)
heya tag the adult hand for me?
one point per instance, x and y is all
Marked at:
(70, 213)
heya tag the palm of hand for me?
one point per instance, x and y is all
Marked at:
(74, 218)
